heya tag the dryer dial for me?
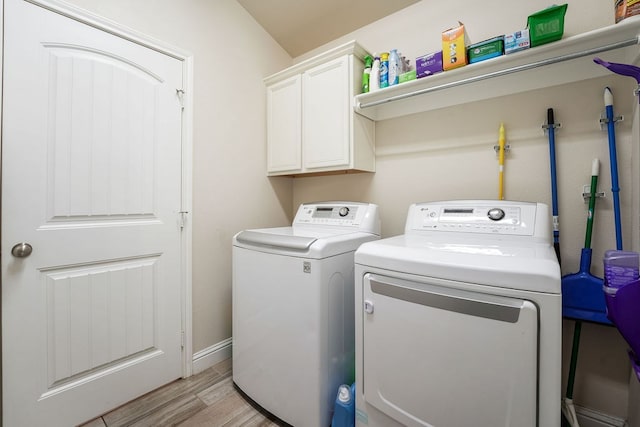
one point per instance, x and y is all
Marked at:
(495, 214)
(344, 211)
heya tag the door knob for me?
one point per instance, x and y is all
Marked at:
(21, 250)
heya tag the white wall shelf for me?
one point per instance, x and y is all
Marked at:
(565, 61)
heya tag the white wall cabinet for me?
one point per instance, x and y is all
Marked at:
(312, 127)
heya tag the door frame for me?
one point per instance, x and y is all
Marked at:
(186, 58)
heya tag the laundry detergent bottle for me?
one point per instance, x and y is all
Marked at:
(344, 414)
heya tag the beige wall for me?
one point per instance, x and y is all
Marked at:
(444, 154)
(416, 30)
(230, 188)
(448, 154)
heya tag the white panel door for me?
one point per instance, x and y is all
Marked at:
(326, 107)
(91, 179)
(284, 120)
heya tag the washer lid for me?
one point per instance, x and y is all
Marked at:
(307, 242)
(319, 230)
(523, 265)
(296, 243)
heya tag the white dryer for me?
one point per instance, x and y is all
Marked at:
(458, 321)
(293, 309)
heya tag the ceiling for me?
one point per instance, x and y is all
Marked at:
(302, 25)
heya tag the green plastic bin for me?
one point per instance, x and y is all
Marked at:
(547, 25)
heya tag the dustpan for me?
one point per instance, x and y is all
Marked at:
(582, 295)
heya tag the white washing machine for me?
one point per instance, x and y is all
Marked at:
(458, 321)
(293, 309)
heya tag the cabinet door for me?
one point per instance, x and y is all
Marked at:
(325, 124)
(284, 135)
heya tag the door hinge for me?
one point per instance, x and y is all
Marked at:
(180, 93)
(182, 340)
(183, 218)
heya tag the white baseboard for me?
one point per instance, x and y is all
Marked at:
(209, 356)
(590, 418)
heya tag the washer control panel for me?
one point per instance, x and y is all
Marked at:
(339, 214)
(486, 216)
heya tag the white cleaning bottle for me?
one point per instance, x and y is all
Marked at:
(394, 67)
(374, 79)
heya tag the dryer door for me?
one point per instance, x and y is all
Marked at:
(440, 355)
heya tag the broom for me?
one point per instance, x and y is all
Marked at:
(582, 278)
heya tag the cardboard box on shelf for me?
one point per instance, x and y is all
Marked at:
(517, 41)
(428, 65)
(454, 47)
(486, 49)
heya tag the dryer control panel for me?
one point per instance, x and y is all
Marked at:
(480, 216)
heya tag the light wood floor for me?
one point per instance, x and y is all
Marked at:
(206, 399)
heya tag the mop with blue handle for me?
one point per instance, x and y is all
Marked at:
(551, 125)
(624, 305)
(613, 160)
(624, 70)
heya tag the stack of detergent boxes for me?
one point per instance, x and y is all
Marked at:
(543, 27)
(456, 53)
